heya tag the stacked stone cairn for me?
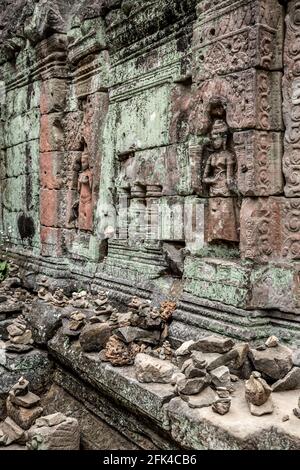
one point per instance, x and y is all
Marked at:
(19, 336)
(24, 424)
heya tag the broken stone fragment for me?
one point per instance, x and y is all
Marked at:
(266, 408)
(16, 329)
(26, 401)
(222, 406)
(296, 358)
(191, 371)
(285, 418)
(192, 386)
(120, 354)
(24, 417)
(222, 392)
(176, 377)
(273, 362)
(220, 377)
(213, 344)
(199, 359)
(185, 348)
(54, 433)
(272, 342)
(18, 348)
(201, 400)
(296, 412)
(290, 382)
(25, 338)
(128, 334)
(10, 432)
(257, 391)
(94, 337)
(149, 369)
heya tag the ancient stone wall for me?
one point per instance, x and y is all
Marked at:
(151, 148)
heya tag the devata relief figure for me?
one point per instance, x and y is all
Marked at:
(223, 221)
(85, 188)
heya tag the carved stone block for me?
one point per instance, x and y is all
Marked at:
(52, 211)
(270, 228)
(259, 160)
(234, 36)
(252, 99)
(291, 101)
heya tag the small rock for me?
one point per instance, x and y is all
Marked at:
(201, 400)
(234, 378)
(51, 420)
(129, 334)
(191, 372)
(199, 359)
(16, 330)
(222, 406)
(285, 418)
(266, 408)
(185, 348)
(94, 337)
(290, 382)
(213, 344)
(273, 362)
(21, 388)
(257, 391)
(10, 432)
(26, 401)
(220, 377)
(25, 338)
(261, 347)
(192, 386)
(149, 369)
(272, 342)
(24, 417)
(296, 412)
(18, 348)
(223, 392)
(176, 377)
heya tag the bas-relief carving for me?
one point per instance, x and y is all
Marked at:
(46, 20)
(291, 101)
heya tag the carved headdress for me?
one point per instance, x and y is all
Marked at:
(219, 127)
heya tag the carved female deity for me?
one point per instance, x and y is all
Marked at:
(85, 189)
(219, 176)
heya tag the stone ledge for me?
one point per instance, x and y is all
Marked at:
(238, 430)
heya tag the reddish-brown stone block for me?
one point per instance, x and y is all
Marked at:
(51, 170)
(51, 241)
(291, 101)
(49, 207)
(270, 228)
(53, 96)
(51, 133)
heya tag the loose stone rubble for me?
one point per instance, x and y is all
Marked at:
(149, 223)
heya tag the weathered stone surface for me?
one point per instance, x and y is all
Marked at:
(94, 337)
(54, 432)
(273, 362)
(150, 369)
(44, 319)
(290, 382)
